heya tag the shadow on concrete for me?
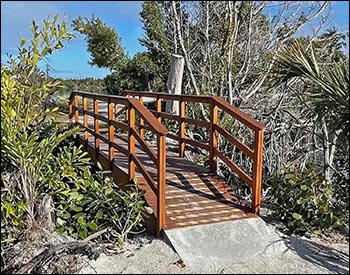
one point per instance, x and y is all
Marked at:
(332, 259)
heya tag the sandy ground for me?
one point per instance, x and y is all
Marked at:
(149, 255)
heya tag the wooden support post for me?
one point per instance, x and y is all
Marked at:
(76, 104)
(110, 132)
(97, 128)
(213, 136)
(142, 123)
(257, 170)
(159, 108)
(131, 114)
(182, 128)
(85, 122)
(116, 111)
(161, 175)
(70, 114)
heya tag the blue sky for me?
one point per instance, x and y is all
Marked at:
(72, 61)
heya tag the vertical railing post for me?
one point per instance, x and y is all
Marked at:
(85, 122)
(142, 123)
(110, 132)
(97, 128)
(213, 136)
(182, 128)
(257, 170)
(161, 174)
(131, 145)
(159, 108)
(76, 104)
(71, 102)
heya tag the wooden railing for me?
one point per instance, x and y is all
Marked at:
(215, 104)
(131, 109)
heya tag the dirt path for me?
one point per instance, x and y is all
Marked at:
(152, 255)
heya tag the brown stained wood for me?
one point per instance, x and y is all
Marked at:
(70, 116)
(197, 122)
(257, 171)
(142, 122)
(186, 194)
(196, 143)
(147, 116)
(238, 114)
(168, 116)
(213, 137)
(120, 125)
(161, 182)
(96, 126)
(248, 180)
(85, 120)
(182, 128)
(244, 148)
(131, 138)
(144, 145)
(145, 174)
(111, 131)
(158, 108)
(76, 105)
(172, 136)
(116, 112)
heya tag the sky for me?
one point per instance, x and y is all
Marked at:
(72, 60)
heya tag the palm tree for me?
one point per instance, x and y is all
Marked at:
(327, 93)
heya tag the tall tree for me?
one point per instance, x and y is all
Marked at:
(103, 43)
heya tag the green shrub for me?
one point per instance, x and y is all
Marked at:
(306, 202)
(39, 161)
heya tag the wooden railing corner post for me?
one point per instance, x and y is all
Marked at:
(213, 136)
(257, 170)
(161, 174)
(131, 145)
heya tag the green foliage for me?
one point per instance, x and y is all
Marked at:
(328, 85)
(139, 73)
(24, 153)
(306, 202)
(38, 160)
(86, 200)
(103, 43)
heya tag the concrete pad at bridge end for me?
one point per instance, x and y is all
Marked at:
(220, 244)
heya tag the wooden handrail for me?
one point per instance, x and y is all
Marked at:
(238, 114)
(151, 120)
(132, 107)
(216, 103)
(147, 116)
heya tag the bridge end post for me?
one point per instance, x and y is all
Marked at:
(257, 170)
(161, 174)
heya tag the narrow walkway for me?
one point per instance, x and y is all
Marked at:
(194, 196)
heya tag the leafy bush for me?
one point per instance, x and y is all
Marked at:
(87, 200)
(41, 167)
(306, 202)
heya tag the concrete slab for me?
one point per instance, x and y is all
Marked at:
(217, 245)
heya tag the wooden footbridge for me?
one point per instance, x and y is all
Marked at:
(130, 138)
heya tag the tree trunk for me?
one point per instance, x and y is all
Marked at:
(174, 82)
